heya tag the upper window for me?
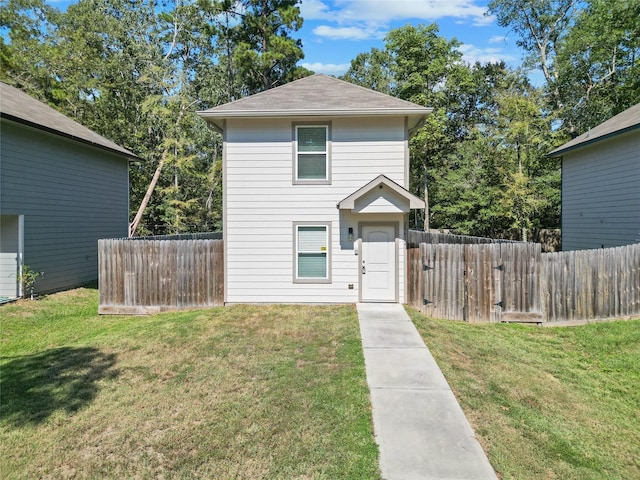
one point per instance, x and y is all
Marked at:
(312, 154)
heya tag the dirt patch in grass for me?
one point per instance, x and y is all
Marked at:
(546, 403)
(238, 392)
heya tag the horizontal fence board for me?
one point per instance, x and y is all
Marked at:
(476, 280)
(416, 237)
(146, 276)
(181, 236)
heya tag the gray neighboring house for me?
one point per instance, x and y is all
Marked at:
(62, 187)
(601, 184)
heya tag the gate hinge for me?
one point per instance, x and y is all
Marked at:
(426, 267)
(500, 304)
(426, 302)
(499, 267)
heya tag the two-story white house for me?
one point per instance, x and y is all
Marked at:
(315, 201)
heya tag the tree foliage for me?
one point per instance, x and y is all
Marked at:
(137, 73)
(587, 50)
(265, 54)
(479, 159)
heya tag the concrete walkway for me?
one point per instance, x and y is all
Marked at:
(419, 425)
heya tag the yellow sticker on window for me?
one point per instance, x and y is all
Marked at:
(323, 249)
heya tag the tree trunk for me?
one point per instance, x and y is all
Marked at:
(426, 201)
(147, 196)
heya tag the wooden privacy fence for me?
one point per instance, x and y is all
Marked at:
(148, 276)
(591, 284)
(517, 282)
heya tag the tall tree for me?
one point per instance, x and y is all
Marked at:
(428, 70)
(128, 71)
(24, 26)
(540, 26)
(372, 70)
(499, 179)
(599, 63)
(587, 50)
(265, 55)
(480, 157)
(186, 46)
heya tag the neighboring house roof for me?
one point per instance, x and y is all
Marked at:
(621, 123)
(19, 107)
(316, 95)
(370, 194)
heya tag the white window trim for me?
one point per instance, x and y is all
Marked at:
(296, 279)
(313, 181)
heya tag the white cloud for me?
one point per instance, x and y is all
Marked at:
(314, 10)
(483, 21)
(369, 19)
(384, 11)
(328, 68)
(497, 39)
(472, 54)
(347, 33)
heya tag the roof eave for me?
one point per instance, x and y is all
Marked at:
(558, 152)
(315, 112)
(215, 117)
(130, 156)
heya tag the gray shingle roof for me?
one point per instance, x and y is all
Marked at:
(623, 122)
(316, 95)
(18, 106)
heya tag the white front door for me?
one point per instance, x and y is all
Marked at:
(378, 263)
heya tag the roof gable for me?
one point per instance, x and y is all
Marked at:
(381, 195)
(621, 123)
(316, 95)
(17, 106)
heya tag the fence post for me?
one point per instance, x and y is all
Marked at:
(499, 266)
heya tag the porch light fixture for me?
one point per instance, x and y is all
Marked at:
(350, 234)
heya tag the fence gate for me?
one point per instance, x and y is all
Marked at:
(486, 282)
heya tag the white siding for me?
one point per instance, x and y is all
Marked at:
(262, 204)
(70, 194)
(601, 194)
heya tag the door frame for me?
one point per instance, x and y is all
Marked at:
(396, 275)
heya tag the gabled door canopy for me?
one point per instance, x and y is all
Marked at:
(391, 197)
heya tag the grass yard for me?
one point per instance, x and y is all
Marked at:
(546, 403)
(247, 392)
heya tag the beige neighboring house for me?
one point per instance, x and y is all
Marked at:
(62, 187)
(601, 184)
(315, 193)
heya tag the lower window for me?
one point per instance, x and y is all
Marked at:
(312, 245)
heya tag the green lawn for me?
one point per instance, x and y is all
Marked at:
(273, 392)
(279, 392)
(546, 403)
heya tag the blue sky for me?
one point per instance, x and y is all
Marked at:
(335, 31)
